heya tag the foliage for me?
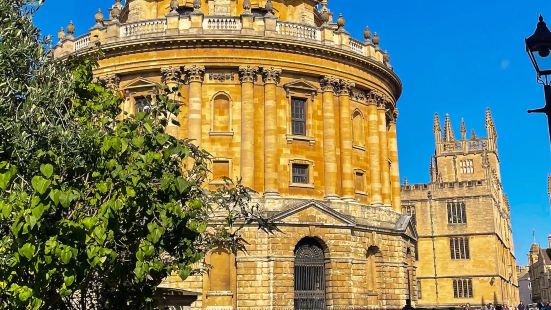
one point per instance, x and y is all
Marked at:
(96, 207)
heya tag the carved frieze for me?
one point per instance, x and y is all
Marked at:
(358, 95)
(221, 77)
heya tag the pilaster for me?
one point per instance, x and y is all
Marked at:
(348, 190)
(195, 76)
(247, 75)
(374, 146)
(271, 77)
(383, 140)
(393, 154)
(329, 137)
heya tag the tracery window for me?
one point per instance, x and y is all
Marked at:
(462, 288)
(459, 248)
(457, 213)
(466, 166)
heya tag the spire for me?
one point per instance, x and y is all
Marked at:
(489, 119)
(448, 130)
(463, 130)
(473, 135)
(491, 130)
(437, 130)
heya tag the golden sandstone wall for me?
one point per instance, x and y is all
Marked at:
(464, 200)
(332, 187)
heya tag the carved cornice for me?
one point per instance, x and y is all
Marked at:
(329, 83)
(171, 75)
(344, 87)
(247, 74)
(195, 73)
(271, 75)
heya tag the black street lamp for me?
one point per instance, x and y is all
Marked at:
(538, 47)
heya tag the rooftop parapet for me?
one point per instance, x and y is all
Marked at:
(188, 24)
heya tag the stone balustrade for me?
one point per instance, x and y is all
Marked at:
(245, 25)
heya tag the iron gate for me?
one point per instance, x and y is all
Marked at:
(309, 276)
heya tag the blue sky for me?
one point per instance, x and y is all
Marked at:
(456, 57)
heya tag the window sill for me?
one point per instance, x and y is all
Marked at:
(300, 185)
(221, 134)
(361, 193)
(359, 147)
(291, 138)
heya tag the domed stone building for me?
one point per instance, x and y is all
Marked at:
(285, 99)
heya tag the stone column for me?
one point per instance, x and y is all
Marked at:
(195, 75)
(383, 140)
(247, 75)
(374, 145)
(271, 78)
(329, 137)
(348, 190)
(393, 154)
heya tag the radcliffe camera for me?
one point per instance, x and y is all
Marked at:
(275, 155)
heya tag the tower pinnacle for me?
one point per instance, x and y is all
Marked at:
(448, 130)
(463, 130)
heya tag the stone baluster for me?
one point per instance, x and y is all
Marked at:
(384, 160)
(271, 77)
(374, 149)
(247, 75)
(344, 90)
(393, 154)
(329, 137)
(195, 75)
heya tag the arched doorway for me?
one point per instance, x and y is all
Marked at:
(309, 275)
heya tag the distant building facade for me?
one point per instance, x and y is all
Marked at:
(540, 272)
(465, 245)
(524, 284)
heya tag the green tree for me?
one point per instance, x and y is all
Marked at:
(96, 210)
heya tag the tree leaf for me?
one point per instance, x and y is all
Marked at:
(40, 184)
(47, 170)
(27, 250)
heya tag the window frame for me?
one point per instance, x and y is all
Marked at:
(363, 190)
(213, 99)
(230, 167)
(457, 212)
(295, 120)
(462, 288)
(301, 89)
(310, 169)
(460, 248)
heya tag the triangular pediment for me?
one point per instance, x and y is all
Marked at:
(405, 224)
(140, 83)
(313, 212)
(301, 86)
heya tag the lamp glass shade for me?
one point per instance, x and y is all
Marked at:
(538, 47)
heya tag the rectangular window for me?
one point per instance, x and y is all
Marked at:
(360, 182)
(220, 169)
(142, 103)
(300, 174)
(463, 288)
(459, 248)
(298, 116)
(466, 166)
(457, 213)
(419, 291)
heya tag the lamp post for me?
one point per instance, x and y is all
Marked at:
(538, 47)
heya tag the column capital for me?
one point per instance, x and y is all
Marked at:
(171, 75)
(271, 75)
(111, 81)
(329, 83)
(195, 73)
(375, 97)
(344, 87)
(247, 74)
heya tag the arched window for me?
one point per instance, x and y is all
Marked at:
(219, 274)
(309, 275)
(221, 114)
(358, 129)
